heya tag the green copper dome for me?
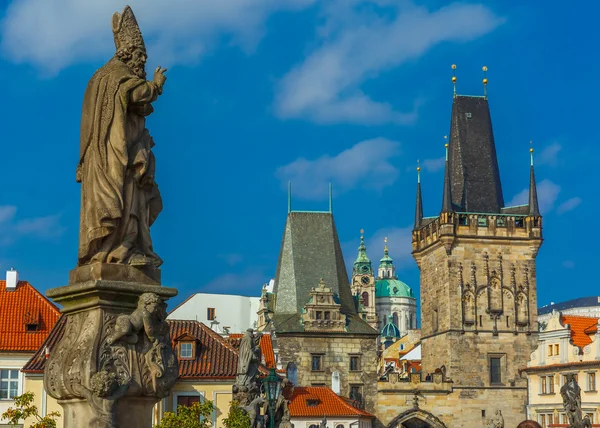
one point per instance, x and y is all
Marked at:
(392, 288)
(390, 329)
(386, 261)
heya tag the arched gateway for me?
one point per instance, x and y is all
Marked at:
(416, 418)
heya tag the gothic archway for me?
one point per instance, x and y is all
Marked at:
(416, 418)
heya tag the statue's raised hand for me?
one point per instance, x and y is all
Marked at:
(159, 76)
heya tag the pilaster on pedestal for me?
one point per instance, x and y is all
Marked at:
(115, 360)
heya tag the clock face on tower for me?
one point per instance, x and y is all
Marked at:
(365, 280)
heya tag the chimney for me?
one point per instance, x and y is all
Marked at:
(12, 279)
(47, 352)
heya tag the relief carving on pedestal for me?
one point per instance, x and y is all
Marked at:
(103, 357)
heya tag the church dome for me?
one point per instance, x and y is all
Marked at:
(389, 287)
(390, 329)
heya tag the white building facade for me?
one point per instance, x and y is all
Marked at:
(223, 313)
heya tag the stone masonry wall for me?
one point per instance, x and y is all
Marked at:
(335, 351)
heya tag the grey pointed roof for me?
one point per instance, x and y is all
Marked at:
(534, 208)
(310, 250)
(419, 207)
(474, 174)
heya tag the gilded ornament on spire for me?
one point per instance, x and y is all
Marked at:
(454, 78)
(485, 81)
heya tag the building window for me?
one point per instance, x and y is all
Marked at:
(9, 384)
(326, 314)
(590, 416)
(313, 426)
(355, 393)
(339, 426)
(365, 297)
(463, 220)
(482, 221)
(186, 350)
(319, 315)
(354, 363)
(31, 327)
(187, 400)
(556, 348)
(547, 384)
(546, 419)
(316, 365)
(495, 370)
(591, 381)
(550, 348)
(519, 222)
(500, 222)
(211, 314)
(395, 318)
(507, 321)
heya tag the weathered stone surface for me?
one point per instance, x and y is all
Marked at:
(115, 359)
(115, 272)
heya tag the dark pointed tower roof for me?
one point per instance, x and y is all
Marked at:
(447, 196)
(311, 252)
(419, 204)
(362, 264)
(534, 209)
(474, 174)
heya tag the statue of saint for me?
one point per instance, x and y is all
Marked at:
(249, 359)
(119, 197)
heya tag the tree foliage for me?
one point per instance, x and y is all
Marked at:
(237, 418)
(198, 415)
(25, 409)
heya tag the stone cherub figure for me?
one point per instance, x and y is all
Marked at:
(119, 197)
(148, 318)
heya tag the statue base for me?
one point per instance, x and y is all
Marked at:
(114, 361)
(145, 274)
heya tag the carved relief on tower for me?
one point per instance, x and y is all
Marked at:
(495, 301)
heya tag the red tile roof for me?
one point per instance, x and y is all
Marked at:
(579, 327)
(266, 347)
(215, 357)
(324, 402)
(16, 307)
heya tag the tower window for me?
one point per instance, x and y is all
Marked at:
(507, 321)
(318, 315)
(354, 363)
(480, 320)
(463, 220)
(365, 297)
(519, 222)
(468, 115)
(326, 315)
(500, 222)
(316, 363)
(482, 221)
(495, 370)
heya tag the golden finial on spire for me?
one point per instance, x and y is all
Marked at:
(418, 171)
(531, 151)
(454, 78)
(485, 81)
(446, 146)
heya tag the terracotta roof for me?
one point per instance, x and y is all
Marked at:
(579, 327)
(215, 357)
(319, 401)
(266, 347)
(24, 305)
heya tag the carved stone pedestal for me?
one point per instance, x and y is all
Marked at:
(115, 360)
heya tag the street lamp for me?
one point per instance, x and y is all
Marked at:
(273, 387)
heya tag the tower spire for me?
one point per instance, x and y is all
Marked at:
(447, 197)
(362, 264)
(419, 205)
(534, 209)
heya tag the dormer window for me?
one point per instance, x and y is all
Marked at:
(186, 350)
(31, 319)
(312, 402)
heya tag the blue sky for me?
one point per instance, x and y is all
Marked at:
(262, 92)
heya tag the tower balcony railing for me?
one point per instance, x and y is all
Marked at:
(477, 225)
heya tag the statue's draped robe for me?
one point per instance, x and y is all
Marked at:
(117, 207)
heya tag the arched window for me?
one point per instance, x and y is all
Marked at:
(395, 319)
(365, 297)
(339, 426)
(313, 426)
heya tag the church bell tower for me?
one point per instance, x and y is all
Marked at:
(363, 284)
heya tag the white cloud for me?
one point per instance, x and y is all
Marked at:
(358, 43)
(549, 155)
(568, 205)
(53, 34)
(433, 165)
(366, 164)
(12, 229)
(547, 194)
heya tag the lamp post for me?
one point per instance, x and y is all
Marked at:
(273, 387)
